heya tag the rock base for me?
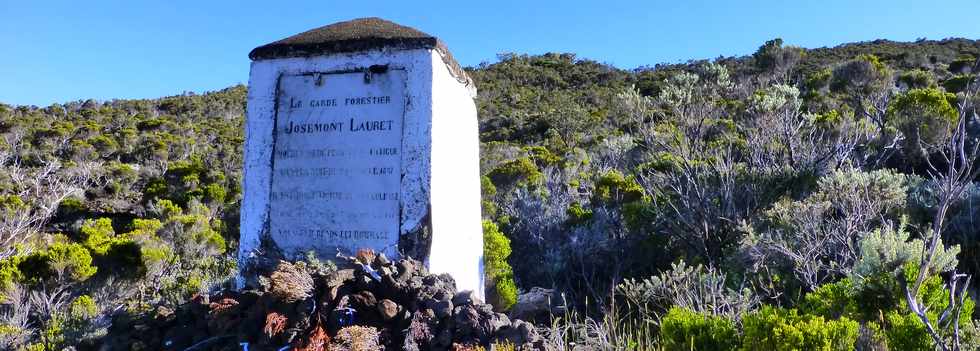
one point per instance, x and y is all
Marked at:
(377, 305)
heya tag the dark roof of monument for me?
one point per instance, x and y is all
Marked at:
(360, 34)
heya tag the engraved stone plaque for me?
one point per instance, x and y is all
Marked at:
(336, 164)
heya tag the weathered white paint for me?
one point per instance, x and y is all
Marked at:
(439, 154)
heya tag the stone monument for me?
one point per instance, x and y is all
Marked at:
(362, 135)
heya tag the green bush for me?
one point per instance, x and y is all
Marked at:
(487, 187)
(215, 193)
(917, 79)
(59, 263)
(613, 186)
(541, 155)
(958, 83)
(71, 206)
(488, 190)
(500, 275)
(155, 188)
(683, 329)
(862, 75)
(167, 209)
(11, 203)
(97, 235)
(818, 80)
(83, 307)
(577, 214)
(776, 329)
(962, 63)
(922, 115)
(904, 331)
(831, 300)
(519, 171)
(9, 274)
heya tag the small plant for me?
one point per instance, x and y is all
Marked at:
(290, 282)
(356, 338)
(275, 323)
(318, 340)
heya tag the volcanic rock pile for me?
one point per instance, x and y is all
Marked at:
(377, 305)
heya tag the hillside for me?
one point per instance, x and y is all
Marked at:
(793, 187)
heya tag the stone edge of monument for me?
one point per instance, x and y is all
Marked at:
(358, 35)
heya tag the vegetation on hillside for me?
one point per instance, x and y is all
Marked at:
(790, 199)
(115, 206)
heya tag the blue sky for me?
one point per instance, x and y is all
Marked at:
(57, 51)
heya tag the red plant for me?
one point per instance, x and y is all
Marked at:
(275, 323)
(318, 340)
(222, 305)
(366, 256)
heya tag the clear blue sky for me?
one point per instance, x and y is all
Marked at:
(57, 51)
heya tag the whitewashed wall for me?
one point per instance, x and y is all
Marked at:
(439, 110)
(457, 242)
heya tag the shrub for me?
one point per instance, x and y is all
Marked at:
(887, 253)
(826, 224)
(60, 262)
(97, 235)
(166, 208)
(10, 204)
(962, 64)
(831, 300)
(888, 250)
(83, 307)
(695, 288)
(683, 329)
(817, 80)
(865, 74)
(922, 116)
(958, 83)
(71, 206)
(9, 274)
(613, 186)
(215, 193)
(541, 155)
(500, 275)
(487, 187)
(781, 329)
(155, 188)
(488, 190)
(577, 214)
(906, 332)
(290, 282)
(143, 229)
(774, 57)
(519, 171)
(917, 79)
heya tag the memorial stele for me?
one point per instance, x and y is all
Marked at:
(362, 135)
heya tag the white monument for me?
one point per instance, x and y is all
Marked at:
(362, 135)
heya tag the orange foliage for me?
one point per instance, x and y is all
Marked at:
(275, 323)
